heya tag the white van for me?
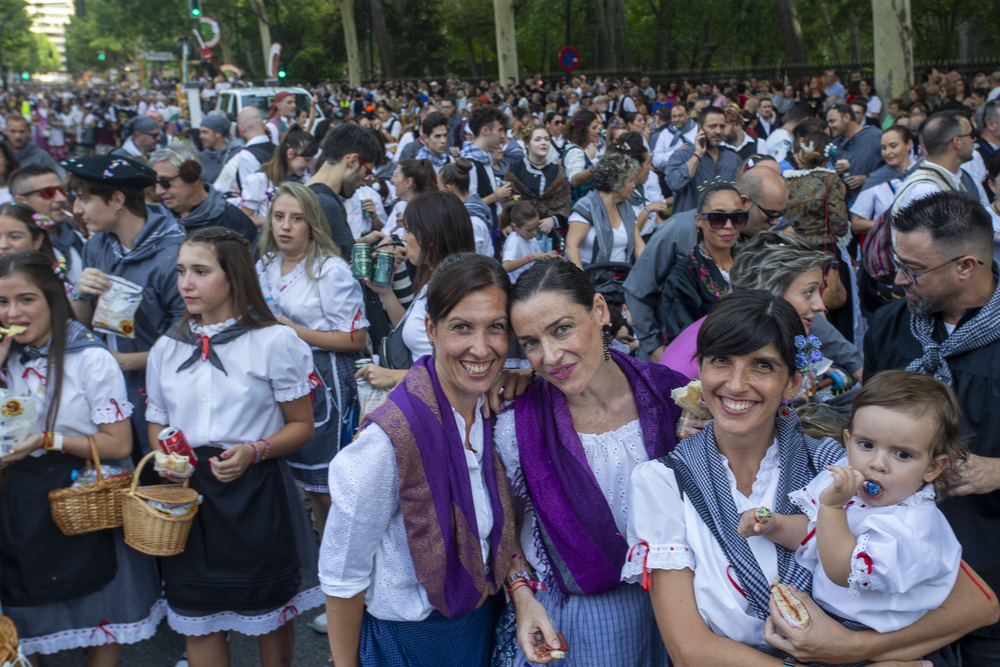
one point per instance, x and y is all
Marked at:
(234, 100)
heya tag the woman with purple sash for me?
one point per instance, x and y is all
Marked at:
(420, 535)
(569, 445)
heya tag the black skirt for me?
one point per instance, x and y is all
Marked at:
(38, 564)
(241, 554)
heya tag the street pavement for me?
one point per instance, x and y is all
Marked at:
(166, 647)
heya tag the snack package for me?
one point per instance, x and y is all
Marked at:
(88, 475)
(115, 311)
(544, 649)
(688, 398)
(17, 418)
(174, 509)
(369, 398)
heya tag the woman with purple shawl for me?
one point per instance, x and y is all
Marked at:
(420, 535)
(569, 445)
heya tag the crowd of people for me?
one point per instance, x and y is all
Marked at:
(514, 373)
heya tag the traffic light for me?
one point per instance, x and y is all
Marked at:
(101, 56)
(194, 8)
(281, 73)
(25, 76)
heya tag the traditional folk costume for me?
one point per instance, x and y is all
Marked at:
(332, 301)
(573, 489)
(249, 564)
(424, 526)
(66, 592)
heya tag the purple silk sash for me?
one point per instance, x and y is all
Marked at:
(578, 529)
(436, 497)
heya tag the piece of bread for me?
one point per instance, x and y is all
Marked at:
(687, 397)
(173, 462)
(792, 610)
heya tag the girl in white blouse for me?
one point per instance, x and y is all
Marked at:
(292, 160)
(237, 384)
(64, 592)
(310, 288)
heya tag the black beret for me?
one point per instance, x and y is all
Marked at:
(111, 170)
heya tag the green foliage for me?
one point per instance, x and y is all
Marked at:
(433, 38)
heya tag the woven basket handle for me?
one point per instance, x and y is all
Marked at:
(97, 458)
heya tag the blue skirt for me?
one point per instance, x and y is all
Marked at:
(437, 641)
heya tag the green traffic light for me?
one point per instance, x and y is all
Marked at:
(281, 74)
(25, 76)
(101, 56)
(195, 11)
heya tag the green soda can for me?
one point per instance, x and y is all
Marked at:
(361, 260)
(384, 260)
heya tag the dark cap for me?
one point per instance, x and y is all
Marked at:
(143, 124)
(218, 124)
(112, 170)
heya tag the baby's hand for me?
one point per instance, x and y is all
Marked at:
(846, 481)
(751, 527)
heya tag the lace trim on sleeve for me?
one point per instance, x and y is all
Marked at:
(805, 502)
(297, 390)
(861, 568)
(118, 410)
(660, 557)
(156, 415)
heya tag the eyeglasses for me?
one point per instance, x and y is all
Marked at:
(771, 215)
(47, 193)
(967, 134)
(165, 183)
(911, 277)
(718, 220)
(558, 122)
(366, 166)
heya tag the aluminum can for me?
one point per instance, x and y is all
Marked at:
(361, 260)
(365, 213)
(172, 441)
(361, 363)
(384, 260)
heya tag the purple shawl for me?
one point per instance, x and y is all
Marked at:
(577, 527)
(436, 498)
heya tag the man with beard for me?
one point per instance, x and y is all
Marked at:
(705, 161)
(41, 188)
(949, 326)
(681, 130)
(349, 154)
(18, 133)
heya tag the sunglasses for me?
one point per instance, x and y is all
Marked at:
(165, 183)
(771, 215)
(718, 220)
(47, 193)
(366, 166)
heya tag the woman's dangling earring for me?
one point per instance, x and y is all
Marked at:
(434, 352)
(606, 335)
(786, 410)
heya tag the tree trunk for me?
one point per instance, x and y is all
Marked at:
(265, 33)
(503, 12)
(383, 40)
(893, 38)
(791, 31)
(621, 28)
(852, 19)
(830, 32)
(351, 43)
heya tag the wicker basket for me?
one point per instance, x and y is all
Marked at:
(10, 652)
(149, 530)
(96, 506)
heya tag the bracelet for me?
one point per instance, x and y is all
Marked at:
(510, 591)
(789, 662)
(256, 452)
(77, 296)
(267, 448)
(698, 156)
(46, 440)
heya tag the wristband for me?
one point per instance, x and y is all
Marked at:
(698, 156)
(789, 662)
(77, 296)
(256, 452)
(57, 442)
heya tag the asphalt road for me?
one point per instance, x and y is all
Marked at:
(166, 647)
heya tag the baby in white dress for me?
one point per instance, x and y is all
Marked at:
(881, 552)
